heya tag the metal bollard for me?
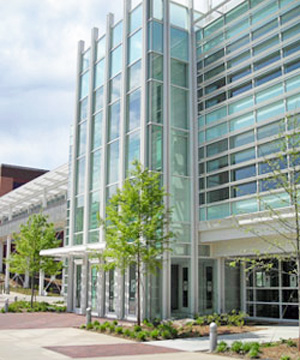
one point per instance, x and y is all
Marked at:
(16, 298)
(88, 316)
(6, 305)
(213, 337)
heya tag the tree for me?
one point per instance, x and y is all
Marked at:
(278, 224)
(137, 227)
(36, 235)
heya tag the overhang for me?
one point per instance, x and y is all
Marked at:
(72, 250)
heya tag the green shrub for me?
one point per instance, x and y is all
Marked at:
(291, 343)
(154, 334)
(222, 347)
(119, 330)
(82, 326)
(127, 332)
(166, 334)
(253, 353)
(142, 335)
(89, 326)
(137, 328)
(133, 334)
(285, 357)
(115, 322)
(237, 346)
(103, 327)
(246, 347)
(111, 328)
(96, 323)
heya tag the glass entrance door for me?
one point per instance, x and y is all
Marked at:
(207, 286)
(77, 294)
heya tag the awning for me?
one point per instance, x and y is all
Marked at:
(72, 250)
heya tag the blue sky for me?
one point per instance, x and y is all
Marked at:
(38, 46)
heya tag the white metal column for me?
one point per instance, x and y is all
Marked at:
(8, 247)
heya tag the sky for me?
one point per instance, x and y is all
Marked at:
(38, 47)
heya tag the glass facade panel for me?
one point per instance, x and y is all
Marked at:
(99, 73)
(83, 109)
(116, 35)
(136, 18)
(269, 93)
(216, 115)
(98, 99)
(217, 212)
(293, 102)
(218, 163)
(244, 206)
(156, 151)
(242, 139)
(218, 195)
(179, 44)
(115, 88)
(133, 149)
(134, 76)
(97, 131)
(113, 162)
(178, 15)
(84, 84)
(266, 45)
(179, 107)
(80, 176)
(241, 122)
(179, 73)
(240, 105)
(218, 179)
(155, 41)
(243, 173)
(293, 83)
(242, 156)
(101, 48)
(244, 189)
(181, 199)
(156, 66)
(156, 102)
(85, 60)
(270, 130)
(267, 112)
(135, 47)
(79, 211)
(217, 147)
(94, 210)
(133, 110)
(180, 153)
(114, 121)
(81, 146)
(116, 61)
(216, 131)
(95, 170)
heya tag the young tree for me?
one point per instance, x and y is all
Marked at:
(137, 227)
(278, 224)
(36, 235)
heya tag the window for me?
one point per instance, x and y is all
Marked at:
(237, 44)
(156, 66)
(240, 105)
(270, 147)
(179, 107)
(214, 42)
(116, 35)
(244, 189)
(84, 84)
(133, 110)
(240, 89)
(268, 77)
(114, 121)
(292, 31)
(293, 102)
(293, 83)
(217, 195)
(213, 27)
(262, 13)
(115, 88)
(179, 44)
(243, 173)
(239, 74)
(241, 122)
(218, 163)
(99, 73)
(113, 162)
(294, 47)
(83, 109)
(215, 100)
(135, 47)
(80, 176)
(156, 102)
(180, 153)
(272, 165)
(215, 71)
(133, 149)
(270, 130)
(98, 99)
(216, 115)
(266, 45)
(156, 152)
(155, 36)
(215, 86)
(156, 9)
(79, 210)
(101, 48)
(236, 12)
(242, 139)
(264, 29)
(81, 145)
(179, 73)
(216, 131)
(291, 66)
(97, 131)
(269, 93)
(238, 59)
(292, 14)
(267, 60)
(95, 170)
(116, 61)
(218, 179)
(85, 60)
(244, 206)
(136, 18)
(243, 156)
(237, 28)
(214, 57)
(217, 147)
(267, 112)
(134, 76)
(218, 211)
(178, 15)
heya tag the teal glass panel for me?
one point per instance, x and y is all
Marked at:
(81, 145)
(216, 131)
(217, 147)
(270, 148)
(236, 12)
(156, 9)
(155, 40)
(242, 139)
(292, 31)
(113, 162)
(114, 121)
(99, 73)
(155, 66)
(179, 107)
(136, 18)
(116, 61)
(214, 72)
(115, 88)
(79, 211)
(178, 15)
(101, 48)
(135, 47)
(156, 151)
(116, 35)
(240, 105)
(218, 211)
(293, 102)
(202, 214)
(274, 201)
(133, 110)
(267, 112)
(133, 149)
(213, 27)
(218, 163)
(214, 57)
(85, 60)
(236, 45)
(238, 59)
(290, 15)
(237, 28)
(179, 73)
(95, 170)
(93, 237)
(293, 83)
(78, 239)
(241, 122)
(94, 210)
(156, 102)
(218, 179)
(218, 195)
(269, 93)
(84, 84)
(201, 121)
(80, 176)
(214, 42)
(262, 13)
(266, 45)
(242, 156)
(110, 191)
(179, 153)
(179, 44)
(83, 109)
(97, 131)
(201, 137)
(244, 206)
(264, 29)
(275, 128)
(134, 76)
(98, 99)
(216, 115)
(181, 199)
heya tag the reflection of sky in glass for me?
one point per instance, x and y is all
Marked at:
(96, 169)
(80, 175)
(133, 149)
(98, 104)
(114, 121)
(85, 60)
(101, 48)
(117, 34)
(134, 108)
(178, 15)
(99, 73)
(156, 36)
(84, 88)
(136, 18)
(113, 162)
(179, 44)
(135, 47)
(134, 76)
(81, 139)
(97, 131)
(115, 88)
(83, 109)
(116, 61)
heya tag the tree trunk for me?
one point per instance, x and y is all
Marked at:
(32, 290)
(138, 294)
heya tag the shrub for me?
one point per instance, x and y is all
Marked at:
(291, 343)
(246, 347)
(96, 323)
(142, 335)
(154, 334)
(82, 326)
(237, 346)
(111, 328)
(285, 357)
(222, 347)
(253, 353)
(115, 322)
(127, 332)
(166, 334)
(102, 327)
(137, 328)
(89, 326)
(119, 330)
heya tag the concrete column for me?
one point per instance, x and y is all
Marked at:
(26, 280)
(1, 256)
(84, 284)
(8, 248)
(220, 282)
(41, 283)
(70, 293)
(101, 293)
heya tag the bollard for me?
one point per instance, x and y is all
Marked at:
(213, 337)
(88, 316)
(15, 298)
(6, 305)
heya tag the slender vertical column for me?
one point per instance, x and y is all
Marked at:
(8, 247)
(84, 284)
(26, 280)
(243, 288)
(220, 282)
(101, 293)
(166, 272)
(1, 257)
(94, 37)
(74, 149)
(70, 294)
(41, 283)
(194, 163)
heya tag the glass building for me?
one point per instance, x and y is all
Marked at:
(200, 98)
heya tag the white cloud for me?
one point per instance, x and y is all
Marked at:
(38, 47)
